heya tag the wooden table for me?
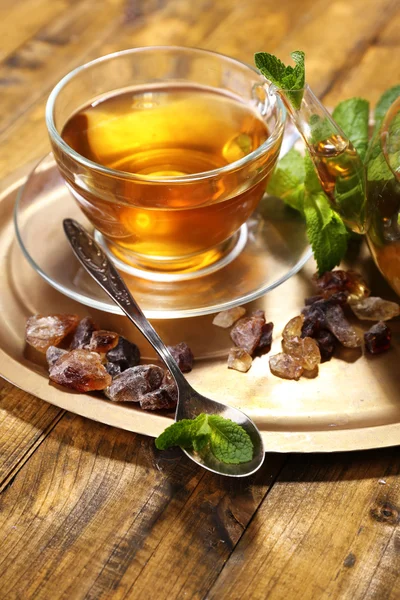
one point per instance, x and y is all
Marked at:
(87, 511)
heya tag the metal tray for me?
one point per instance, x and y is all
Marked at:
(353, 404)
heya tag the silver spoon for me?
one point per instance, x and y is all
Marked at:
(190, 402)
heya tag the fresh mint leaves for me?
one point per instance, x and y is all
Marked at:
(327, 234)
(352, 170)
(296, 182)
(289, 79)
(352, 117)
(376, 165)
(227, 440)
(384, 103)
(287, 181)
(295, 179)
(182, 433)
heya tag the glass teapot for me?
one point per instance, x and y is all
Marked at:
(383, 199)
(366, 198)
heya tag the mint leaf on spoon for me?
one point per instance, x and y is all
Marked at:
(183, 433)
(227, 440)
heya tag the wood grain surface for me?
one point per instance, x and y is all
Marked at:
(87, 511)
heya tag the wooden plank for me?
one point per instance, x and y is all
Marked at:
(232, 27)
(378, 69)
(21, 19)
(260, 26)
(335, 36)
(52, 52)
(328, 529)
(100, 513)
(24, 423)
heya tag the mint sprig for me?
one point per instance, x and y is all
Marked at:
(296, 182)
(326, 231)
(287, 181)
(352, 117)
(289, 79)
(376, 165)
(227, 440)
(384, 103)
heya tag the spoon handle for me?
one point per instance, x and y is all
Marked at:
(96, 263)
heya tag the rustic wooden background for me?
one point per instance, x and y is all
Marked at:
(87, 511)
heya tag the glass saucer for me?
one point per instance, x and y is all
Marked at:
(276, 248)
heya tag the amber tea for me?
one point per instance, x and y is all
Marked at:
(163, 136)
(166, 132)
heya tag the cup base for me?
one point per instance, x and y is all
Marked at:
(216, 258)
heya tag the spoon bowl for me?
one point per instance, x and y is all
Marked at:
(190, 402)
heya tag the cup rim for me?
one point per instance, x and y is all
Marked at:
(56, 137)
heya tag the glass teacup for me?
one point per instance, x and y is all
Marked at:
(167, 151)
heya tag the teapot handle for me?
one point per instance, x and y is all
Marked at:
(390, 138)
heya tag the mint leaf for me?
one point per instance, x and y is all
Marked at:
(183, 433)
(393, 142)
(200, 442)
(294, 79)
(270, 66)
(326, 232)
(229, 442)
(325, 229)
(287, 181)
(201, 427)
(296, 182)
(352, 117)
(312, 182)
(377, 168)
(384, 104)
(289, 79)
(177, 434)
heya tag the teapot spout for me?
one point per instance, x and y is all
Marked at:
(337, 163)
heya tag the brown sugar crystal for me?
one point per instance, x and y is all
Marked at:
(44, 331)
(81, 371)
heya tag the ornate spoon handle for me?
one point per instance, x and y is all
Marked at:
(97, 264)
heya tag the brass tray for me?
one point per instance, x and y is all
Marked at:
(353, 404)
